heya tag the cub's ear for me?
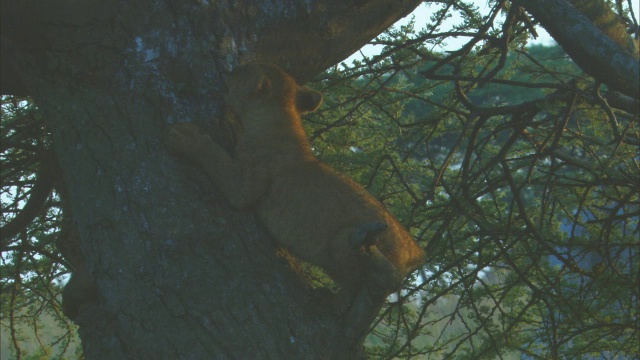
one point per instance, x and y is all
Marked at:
(307, 100)
(263, 86)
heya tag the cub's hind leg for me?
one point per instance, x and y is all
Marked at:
(381, 280)
(370, 277)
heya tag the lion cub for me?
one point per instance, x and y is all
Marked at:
(317, 213)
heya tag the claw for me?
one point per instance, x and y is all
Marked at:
(365, 235)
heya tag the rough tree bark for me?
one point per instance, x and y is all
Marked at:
(180, 274)
(594, 38)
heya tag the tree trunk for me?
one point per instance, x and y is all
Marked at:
(179, 273)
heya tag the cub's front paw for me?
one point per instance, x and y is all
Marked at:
(186, 138)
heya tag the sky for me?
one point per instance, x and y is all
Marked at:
(422, 16)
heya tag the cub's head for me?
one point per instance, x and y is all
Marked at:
(257, 88)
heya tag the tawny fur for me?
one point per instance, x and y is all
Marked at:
(315, 212)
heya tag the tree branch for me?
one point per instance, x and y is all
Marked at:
(37, 197)
(590, 48)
